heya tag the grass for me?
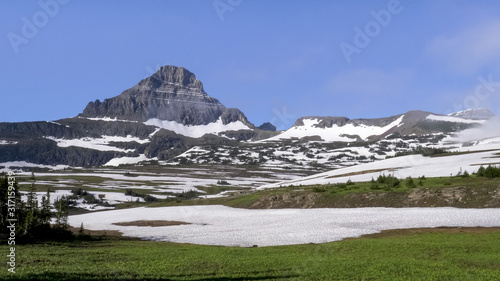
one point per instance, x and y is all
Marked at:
(412, 256)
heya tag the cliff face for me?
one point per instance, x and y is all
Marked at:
(171, 94)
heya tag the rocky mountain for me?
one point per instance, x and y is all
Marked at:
(171, 94)
(474, 114)
(162, 116)
(343, 129)
(167, 115)
(267, 127)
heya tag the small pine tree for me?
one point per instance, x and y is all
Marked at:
(81, 231)
(465, 174)
(480, 171)
(409, 182)
(62, 211)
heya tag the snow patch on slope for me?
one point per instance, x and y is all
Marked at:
(24, 164)
(101, 144)
(3, 142)
(197, 131)
(452, 119)
(335, 133)
(128, 160)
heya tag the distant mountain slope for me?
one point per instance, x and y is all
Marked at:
(162, 116)
(476, 113)
(468, 158)
(168, 113)
(347, 130)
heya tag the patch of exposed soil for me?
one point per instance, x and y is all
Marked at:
(112, 233)
(287, 200)
(154, 223)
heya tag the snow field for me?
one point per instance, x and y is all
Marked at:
(226, 226)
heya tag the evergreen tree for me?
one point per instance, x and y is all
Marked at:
(480, 171)
(409, 182)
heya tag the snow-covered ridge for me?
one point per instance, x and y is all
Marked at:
(474, 113)
(197, 131)
(452, 119)
(335, 133)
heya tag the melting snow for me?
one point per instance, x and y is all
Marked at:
(101, 144)
(335, 133)
(220, 225)
(405, 166)
(128, 160)
(453, 119)
(198, 130)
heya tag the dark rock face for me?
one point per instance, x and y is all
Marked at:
(268, 127)
(172, 94)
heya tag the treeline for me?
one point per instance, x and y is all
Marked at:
(30, 221)
(488, 172)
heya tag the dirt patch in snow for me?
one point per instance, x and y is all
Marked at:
(153, 223)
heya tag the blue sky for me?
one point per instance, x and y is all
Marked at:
(276, 60)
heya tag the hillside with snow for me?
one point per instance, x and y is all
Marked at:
(459, 159)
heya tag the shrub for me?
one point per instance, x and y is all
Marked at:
(318, 189)
(409, 182)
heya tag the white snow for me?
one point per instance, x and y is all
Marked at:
(116, 197)
(197, 130)
(107, 119)
(7, 142)
(334, 133)
(111, 197)
(27, 164)
(452, 119)
(128, 160)
(405, 166)
(226, 226)
(101, 143)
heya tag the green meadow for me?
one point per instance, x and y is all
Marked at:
(438, 254)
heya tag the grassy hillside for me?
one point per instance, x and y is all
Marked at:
(462, 192)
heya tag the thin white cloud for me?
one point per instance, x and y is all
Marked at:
(370, 82)
(470, 50)
(307, 58)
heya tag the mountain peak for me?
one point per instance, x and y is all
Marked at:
(171, 94)
(168, 78)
